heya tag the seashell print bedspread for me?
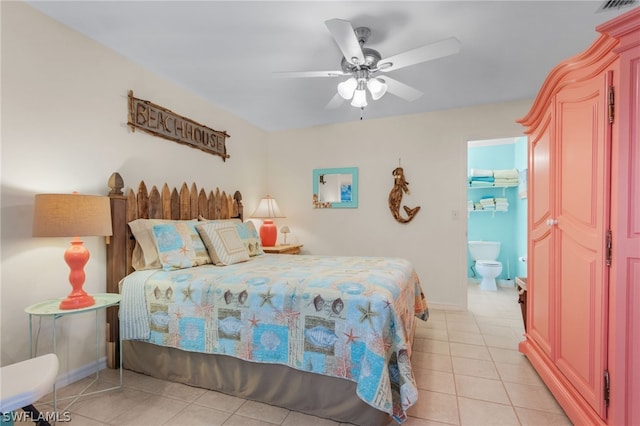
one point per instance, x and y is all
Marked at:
(346, 317)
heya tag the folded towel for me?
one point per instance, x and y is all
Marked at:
(513, 182)
(506, 174)
(478, 206)
(481, 173)
(480, 183)
(481, 178)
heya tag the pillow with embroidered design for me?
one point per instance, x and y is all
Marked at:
(179, 245)
(250, 238)
(145, 254)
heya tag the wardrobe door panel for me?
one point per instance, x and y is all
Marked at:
(582, 214)
(626, 238)
(633, 378)
(540, 250)
(630, 210)
(539, 310)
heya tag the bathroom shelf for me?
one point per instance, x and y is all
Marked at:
(504, 187)
(493, 212)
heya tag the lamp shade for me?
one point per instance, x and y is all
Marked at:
(268, 209)
(347, 87)
(377, 88)
(71, 215)
(285, 230)
(359, 98)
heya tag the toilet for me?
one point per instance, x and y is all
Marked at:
(485, 255)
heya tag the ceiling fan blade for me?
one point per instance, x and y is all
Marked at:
(342, 31)
(335, 102)
(401, 90)
(428, 52)
(297, 74)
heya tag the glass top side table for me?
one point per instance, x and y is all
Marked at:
(50, 308)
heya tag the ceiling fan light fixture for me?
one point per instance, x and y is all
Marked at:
(359, 97)
(377, 88)
(359, 64)
(347, 87)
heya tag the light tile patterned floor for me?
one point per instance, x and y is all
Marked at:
(466, 364)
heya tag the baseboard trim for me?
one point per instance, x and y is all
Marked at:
(80, 373)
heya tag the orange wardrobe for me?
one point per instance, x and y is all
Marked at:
(583, 304)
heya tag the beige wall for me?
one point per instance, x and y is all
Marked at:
(64, 128)
(64, 113)
(432, 150)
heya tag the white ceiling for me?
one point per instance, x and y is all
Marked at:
(227, 51)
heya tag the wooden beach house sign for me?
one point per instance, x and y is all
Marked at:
(159, 121)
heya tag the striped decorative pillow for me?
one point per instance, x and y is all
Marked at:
(223, 243)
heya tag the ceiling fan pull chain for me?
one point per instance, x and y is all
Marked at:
(361, 113)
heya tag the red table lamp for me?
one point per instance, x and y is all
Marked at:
(73, 215)
(267, 210)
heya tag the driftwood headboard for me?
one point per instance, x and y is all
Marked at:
(184, 203)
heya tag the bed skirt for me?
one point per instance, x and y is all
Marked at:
(274, 384)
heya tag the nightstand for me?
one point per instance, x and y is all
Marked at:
(50, 308)
(283, 249)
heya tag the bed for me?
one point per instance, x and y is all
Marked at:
(328, 336)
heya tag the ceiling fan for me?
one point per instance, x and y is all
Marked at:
(362, 65)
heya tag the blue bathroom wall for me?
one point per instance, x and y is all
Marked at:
(507, 227)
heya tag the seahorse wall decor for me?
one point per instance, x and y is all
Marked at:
(400, 186)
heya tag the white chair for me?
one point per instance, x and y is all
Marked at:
(24, 383)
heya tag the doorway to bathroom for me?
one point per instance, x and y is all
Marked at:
(497, 211)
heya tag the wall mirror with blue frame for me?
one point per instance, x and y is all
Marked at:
(335, 188)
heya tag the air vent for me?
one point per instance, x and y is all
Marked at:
(617, 4)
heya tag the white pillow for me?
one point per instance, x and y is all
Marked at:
(223, 243)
